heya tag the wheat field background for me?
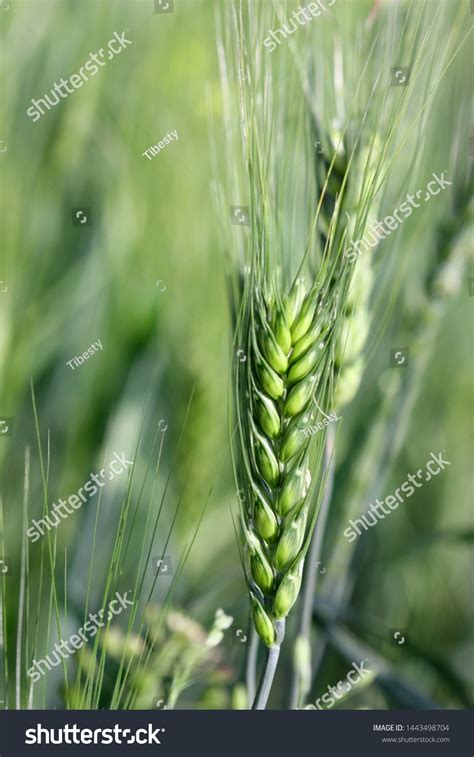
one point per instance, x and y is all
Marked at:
(146, 276)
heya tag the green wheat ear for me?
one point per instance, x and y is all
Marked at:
(296, 346)
(288, 355)
(335, 178)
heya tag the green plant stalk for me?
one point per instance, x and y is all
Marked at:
(273, 654)
(251, 664)
(23, 579)
(301, 677)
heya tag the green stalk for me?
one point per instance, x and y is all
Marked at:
(268, 674)
(251, 664)
(301, 678)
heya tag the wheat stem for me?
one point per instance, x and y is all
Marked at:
(317, 539)
(300, 684)
(268, 673)
(251, 664)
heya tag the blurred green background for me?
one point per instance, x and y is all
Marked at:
(166, 348)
